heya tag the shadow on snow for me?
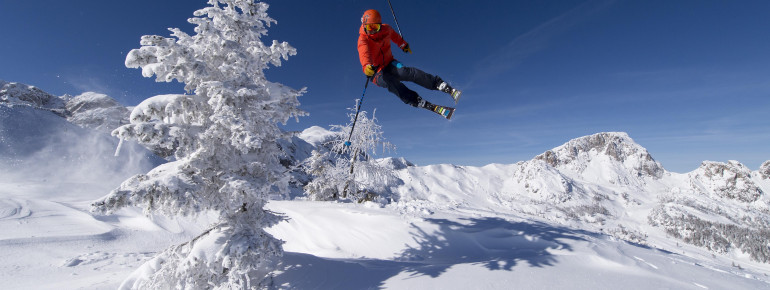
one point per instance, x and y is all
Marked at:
(494, 243)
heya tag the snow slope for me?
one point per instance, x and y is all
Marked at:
(596, 212)
(466, 249)
(50, 171)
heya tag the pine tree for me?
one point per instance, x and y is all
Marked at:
(224, 140)
(349, 172)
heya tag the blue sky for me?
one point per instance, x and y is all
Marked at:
(688, 80)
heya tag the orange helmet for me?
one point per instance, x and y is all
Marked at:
(371, 16)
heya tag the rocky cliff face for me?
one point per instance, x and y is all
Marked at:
(764, 170)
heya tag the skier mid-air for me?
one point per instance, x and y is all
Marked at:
(378, 63)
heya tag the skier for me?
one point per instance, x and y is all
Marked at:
(378, 63)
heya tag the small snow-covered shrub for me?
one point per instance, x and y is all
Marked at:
(350, 172)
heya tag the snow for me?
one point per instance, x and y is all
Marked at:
(96, 111)
(316, 135)
(453, 227)
(497, 251)
(154, 108)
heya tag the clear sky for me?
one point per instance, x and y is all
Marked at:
(688, 79)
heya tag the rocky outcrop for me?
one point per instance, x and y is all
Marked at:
(764, 170)
(726, 180)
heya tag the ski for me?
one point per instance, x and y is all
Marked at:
(445, 112)
(456, 95)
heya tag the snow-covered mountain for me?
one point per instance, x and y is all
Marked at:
(548, 222)
(46, 137)
(15, 93)
(607, 182)
(96, 111)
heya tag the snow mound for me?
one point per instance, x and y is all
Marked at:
(730, 180)
(96, 111)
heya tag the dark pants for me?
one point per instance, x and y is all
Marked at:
(392, 75)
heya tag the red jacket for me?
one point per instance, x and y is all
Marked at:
(374, 49)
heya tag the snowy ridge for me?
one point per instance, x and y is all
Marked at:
(723, 207)
(17, 93)
(88, 110)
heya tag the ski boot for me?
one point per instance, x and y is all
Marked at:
(445, 87)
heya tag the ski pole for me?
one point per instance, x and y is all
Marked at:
(394, 18)
(347, 143)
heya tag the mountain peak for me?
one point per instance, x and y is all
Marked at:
(612, 146)
(18, 93)
(96, 111)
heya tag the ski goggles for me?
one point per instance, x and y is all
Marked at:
(373, 27)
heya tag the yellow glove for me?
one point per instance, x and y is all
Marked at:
(406, 48)
(369, 70)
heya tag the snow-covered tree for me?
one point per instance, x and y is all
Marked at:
(349, 172)
(224, 142)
